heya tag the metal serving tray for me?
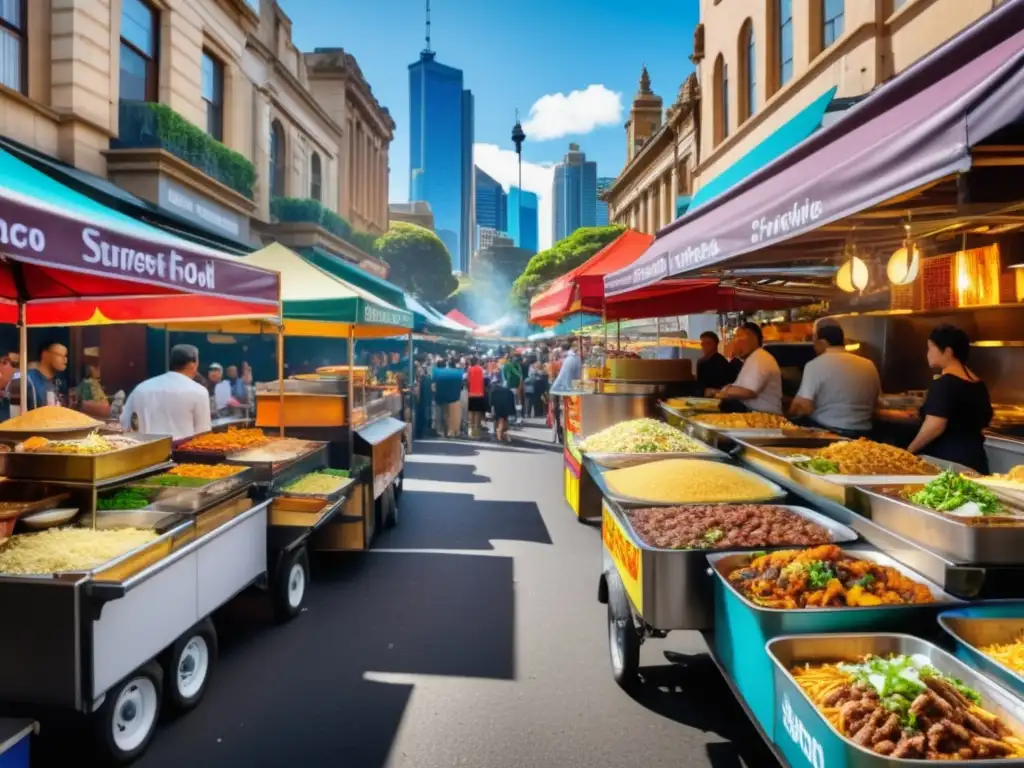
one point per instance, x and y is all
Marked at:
(268, 471)
(742, 628)
(327, 497)
(776, 492)
(620, 460)
(715, 435)
(93, 468)
(806, 738)
(196, 498)
(674, 584)
(990, 544)
(999, 621)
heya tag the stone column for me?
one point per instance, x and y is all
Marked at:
(261, 152)
(674, 187)
(670, 200)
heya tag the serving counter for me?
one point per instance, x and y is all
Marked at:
(651, 590)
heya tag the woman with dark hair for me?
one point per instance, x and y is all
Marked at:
(957, 409)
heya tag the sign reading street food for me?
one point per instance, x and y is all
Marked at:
(626, 556)
(50, 239)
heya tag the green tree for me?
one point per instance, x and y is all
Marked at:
(563, 256)
(419, 261)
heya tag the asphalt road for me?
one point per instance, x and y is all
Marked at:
(471, 636)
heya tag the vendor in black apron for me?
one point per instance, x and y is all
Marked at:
(839, 390)
(957, 409)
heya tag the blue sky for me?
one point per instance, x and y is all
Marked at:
(515, 60)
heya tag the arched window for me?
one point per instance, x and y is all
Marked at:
(832, 13)
(277, 159)
(784, 37)
(316, 179)
(748, 71)
(721, 96)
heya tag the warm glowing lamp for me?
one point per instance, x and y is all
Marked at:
(852, 275)
(904, 265)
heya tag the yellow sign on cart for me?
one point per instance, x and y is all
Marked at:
(626, 556)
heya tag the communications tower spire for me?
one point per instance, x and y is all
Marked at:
(427, 50)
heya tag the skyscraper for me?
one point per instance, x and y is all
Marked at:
(522, 219)
(603, 183)
(491, 202)
(574, 193)
(441, 151)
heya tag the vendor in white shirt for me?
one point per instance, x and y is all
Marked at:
(174, 403)
(759, 385)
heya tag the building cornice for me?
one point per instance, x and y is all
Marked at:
(338, 63)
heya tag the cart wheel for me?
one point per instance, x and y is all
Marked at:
(399, 482)
(623, 641)
(289, 592)
(127, 720)
(189, 666)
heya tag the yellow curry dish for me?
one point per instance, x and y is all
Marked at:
(688, 481)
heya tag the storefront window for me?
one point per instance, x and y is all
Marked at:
(138, 51)
(12, 44)
(316, 179)
(213, 95)
(725, 99)
(785, 17)
(277, 165)
(832, 21)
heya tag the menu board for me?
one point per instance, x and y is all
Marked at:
(937, 282)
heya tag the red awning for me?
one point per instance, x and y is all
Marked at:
(56, 297)
(582, 289)
(460, 318)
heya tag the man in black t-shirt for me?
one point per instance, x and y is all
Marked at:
(714, 371)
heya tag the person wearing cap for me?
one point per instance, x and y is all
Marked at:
(173, 403)
(91, 397)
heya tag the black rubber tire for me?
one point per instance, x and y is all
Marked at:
(399, 484)
(109, 752)
(176, 701)
(623, 640)
(287, 604)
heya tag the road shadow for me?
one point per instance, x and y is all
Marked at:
(434, 520)
(438, 472)
(296, 694)
(462, 447)
(691, 690)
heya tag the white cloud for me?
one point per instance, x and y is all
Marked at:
(503, 166)
(556, 115)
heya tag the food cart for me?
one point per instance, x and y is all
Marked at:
(805, 640)
(333, 405)
(118, 624)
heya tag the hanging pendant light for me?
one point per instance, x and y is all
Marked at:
(852, 275)
(904, 264)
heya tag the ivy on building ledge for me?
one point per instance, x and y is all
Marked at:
(148, 125)
(305, 210)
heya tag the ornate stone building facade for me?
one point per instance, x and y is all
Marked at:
(660, 155)
(203, 108)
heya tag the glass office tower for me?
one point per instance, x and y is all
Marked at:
(441, 152)
(522, 219)
(575, 194)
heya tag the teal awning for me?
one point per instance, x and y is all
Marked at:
(350, 273)
(682, 205)
(428, 320)
(777, 144)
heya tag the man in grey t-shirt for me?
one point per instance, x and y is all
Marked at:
(839, 390)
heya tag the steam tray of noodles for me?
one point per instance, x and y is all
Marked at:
(888, 697)
(640, 440)
(60, 550)
(990, 638)
(686, 481)
(48, 421)
(90, 460)
(848, 461)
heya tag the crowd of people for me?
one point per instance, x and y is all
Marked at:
(459, 394)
